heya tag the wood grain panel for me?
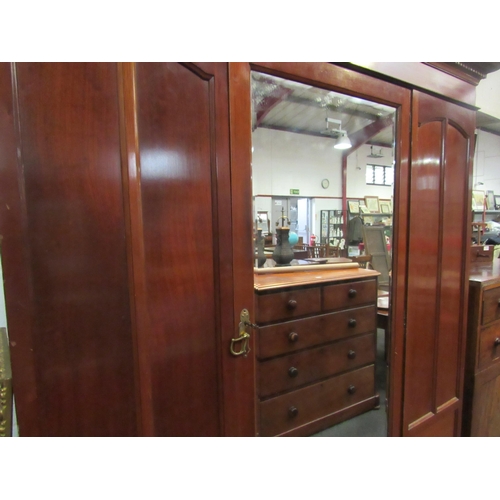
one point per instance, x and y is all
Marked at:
(70, 154)
(15, 262)
(176, 128)
(423, 266)
(438, 266)
(455, 208)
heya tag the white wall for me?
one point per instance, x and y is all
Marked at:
(283, 160)
(488, 95)
(487, 162)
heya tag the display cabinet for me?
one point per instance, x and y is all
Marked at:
(332, 227)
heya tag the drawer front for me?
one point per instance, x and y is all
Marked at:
(295, 370)
(289, 304)
(284, 338)
(283, 413)
(489, 345)
(491, 305)
(351, 294)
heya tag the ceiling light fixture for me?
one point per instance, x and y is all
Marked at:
(343, 141)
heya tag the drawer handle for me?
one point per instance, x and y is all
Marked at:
(352, 293)
(293, 337)
(292, 304)
(351, 354)
(293, 411)
(497, 342)
(293, 372)
(352, 322)
(352, 389)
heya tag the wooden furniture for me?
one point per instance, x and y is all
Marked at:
(482, 378)
(315, 349)
(120, 321)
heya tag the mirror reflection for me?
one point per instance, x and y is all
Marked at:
(323, 176)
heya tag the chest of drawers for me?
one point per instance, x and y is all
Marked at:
(482, 376)
(315, 349)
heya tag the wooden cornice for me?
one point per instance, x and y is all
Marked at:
(470, 72)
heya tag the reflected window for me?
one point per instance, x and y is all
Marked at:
(380, 175)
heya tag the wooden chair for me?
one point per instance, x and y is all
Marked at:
(332, 251)
(316, 251)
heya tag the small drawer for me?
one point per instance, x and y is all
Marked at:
(491, 305)
(287, 304)
(350, 294)
(489, 345)
(295, 370)
(283, 413)
(284, 338)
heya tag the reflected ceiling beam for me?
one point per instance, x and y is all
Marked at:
(363, 135)
(269, 102)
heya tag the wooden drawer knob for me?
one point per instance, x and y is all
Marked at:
(351, 354)
(292, 304)
(293, 411)
(352, 323)
(497, 342)
(293, 372)
(352, 293)
(351, 389)
(293, 337)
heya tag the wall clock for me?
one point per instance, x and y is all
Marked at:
(325, 183)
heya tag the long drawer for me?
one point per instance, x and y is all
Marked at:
(284, 338)
(295, 370)
(285, 412)
(355, 293)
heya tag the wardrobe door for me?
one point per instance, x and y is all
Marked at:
(442, 135)
(190, 383)
(64, 250)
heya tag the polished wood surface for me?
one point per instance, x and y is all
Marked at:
(307, 410)
(424, 77)
(74, 234)
(299, 334)
(16, 262)
(317, 274)
(482, 376)
(288, 304)
(295, 370)
(299, 345)
(438, 260)
(178, 132)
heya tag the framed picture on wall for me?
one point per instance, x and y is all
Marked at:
(477, 200)
(363, 209)
(385, 207)
(353, 206)
(372, 204)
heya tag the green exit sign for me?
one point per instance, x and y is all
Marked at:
(294, 191)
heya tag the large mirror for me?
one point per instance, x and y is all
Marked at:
(325, 161)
